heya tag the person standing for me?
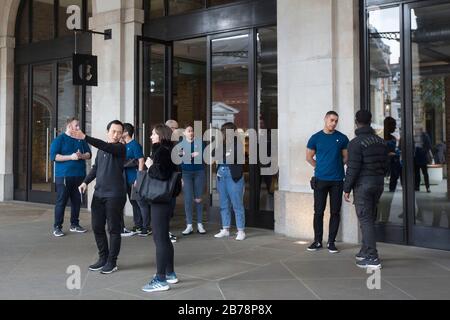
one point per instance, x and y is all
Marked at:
(327, 153)
(174, 126)
(161, 167)
(194, 178)
(70, 157)
(135, 162)
(110, 194)
(368, 162)
(231, 184)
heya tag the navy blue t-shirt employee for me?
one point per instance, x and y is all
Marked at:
(327, 153)
(70, 157)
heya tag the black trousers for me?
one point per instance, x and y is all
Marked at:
(417, 169)
(161, 215)
(321, 192)
(366, 197)
(108, 210)
(137, 218)
(67, 188)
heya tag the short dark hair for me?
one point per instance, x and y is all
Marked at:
(70, 120)
(117, 122)
(128, 127)
(364, 117)
(332, 113)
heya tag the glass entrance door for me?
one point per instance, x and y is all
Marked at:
(43, 129)
(153, 82)
(428, 95)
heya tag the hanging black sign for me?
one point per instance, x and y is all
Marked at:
(85, 70)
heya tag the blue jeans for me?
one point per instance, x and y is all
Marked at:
(68, 188)
(231, 194)
(193, 189)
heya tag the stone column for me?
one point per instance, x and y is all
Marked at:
(7, 45)
(114, 96)
(318, 72)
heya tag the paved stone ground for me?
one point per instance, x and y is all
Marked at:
(33, 265)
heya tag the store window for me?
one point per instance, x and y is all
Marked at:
(386, 105)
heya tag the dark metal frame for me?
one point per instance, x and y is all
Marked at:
(409, 233)
(248, 17)
(54, 51)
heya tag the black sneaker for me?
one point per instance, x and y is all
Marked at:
(136, 230)
(369, 263)
(58, 233)
(315, 246)
(332, 248)
(144, 233)
(172, 237)
(98, 265)
(109, 268)
(78, 229)
(360, 256)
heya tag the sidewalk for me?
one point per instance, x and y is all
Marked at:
(33, 265)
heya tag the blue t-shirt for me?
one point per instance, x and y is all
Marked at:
(134, 151)
(66, 146)
(328, 147)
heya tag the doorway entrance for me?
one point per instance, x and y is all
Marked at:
(214, 79)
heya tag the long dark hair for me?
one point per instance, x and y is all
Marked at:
(164, 133)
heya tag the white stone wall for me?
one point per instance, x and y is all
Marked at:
(318, 60)
(8, 13)
(114, 97)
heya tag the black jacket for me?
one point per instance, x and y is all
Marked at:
(163, 167)
(367, 159)
(108, 169)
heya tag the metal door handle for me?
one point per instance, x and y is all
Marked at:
(47, 155)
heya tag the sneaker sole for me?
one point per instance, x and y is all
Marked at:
(143, 235)
(313, 250)
(75, 231)
(378, 267)
(95, 270)
(173, 281)
(332, 251)
(58, 235)
(127, 235)
(109, 272)
(187, 234)
(156, 290)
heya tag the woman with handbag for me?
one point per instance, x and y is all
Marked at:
(161, 168)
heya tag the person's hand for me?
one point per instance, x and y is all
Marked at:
(182, 183)
(347, 197)
(77, 134)
(80, 155)
(82, 188)
(195, 154)
(74, 157)
(149, 162)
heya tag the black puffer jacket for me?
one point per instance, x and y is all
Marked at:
(367, 159)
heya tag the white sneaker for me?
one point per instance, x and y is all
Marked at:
(240, 236)
(223, 233)
(189, 230)
(200, 228)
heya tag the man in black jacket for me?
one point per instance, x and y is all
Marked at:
(366, 169)
(109, 196)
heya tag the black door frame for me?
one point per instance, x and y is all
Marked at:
(423, 236)
(408, 233)
(255, 218)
